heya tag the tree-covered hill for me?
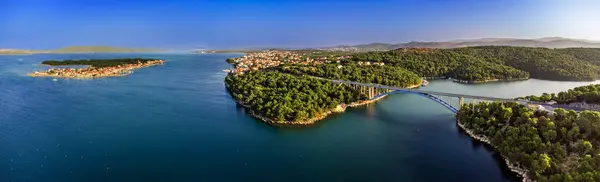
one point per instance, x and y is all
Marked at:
(564, 146)
(443, 63)
(542, 63)
(492, 62)
(385, 75)
(284, 97)
(591, 55)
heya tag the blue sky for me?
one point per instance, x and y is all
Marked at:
(184, 24)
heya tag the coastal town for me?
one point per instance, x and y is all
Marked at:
(272, 58)
(96, 72)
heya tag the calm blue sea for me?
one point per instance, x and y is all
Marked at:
(176, 122)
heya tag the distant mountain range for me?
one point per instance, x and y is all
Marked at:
(80, 49)
(548, 42)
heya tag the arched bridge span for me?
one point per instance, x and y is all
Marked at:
(375, 90)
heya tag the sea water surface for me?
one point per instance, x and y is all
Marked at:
(176, 122)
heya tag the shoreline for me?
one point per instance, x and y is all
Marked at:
(339, 109)
(86, 77)
(474, 81)
(487, 81)
(514, 168)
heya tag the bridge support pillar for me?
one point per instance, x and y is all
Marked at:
(362, 89)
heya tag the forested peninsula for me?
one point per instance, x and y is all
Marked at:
(276, 88)
(541, 146)
(279, 98)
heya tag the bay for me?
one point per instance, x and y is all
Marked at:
(176, 122)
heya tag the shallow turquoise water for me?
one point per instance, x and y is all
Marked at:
(177, 123)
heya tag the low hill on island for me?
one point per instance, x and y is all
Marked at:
(20, 51)
(101, 49)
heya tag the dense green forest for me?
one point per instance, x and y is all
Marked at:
(384, 75)
(443, 63)
(588, 94)
(542, 63)
(493, 62)
(285, 97)
(98, 63)
(591, 55)
(564, 146)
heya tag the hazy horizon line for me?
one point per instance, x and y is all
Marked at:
(252, 47)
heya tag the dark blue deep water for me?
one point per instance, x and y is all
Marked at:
(176, 122)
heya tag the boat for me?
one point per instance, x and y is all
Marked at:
(424, 83)
(54, 79)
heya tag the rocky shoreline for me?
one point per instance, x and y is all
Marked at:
(339, 109)
(513, 167)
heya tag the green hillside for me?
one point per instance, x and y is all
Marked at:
(494, 62)
(591, 55)
(542, 63)
(443, 63)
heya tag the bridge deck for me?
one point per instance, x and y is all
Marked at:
(424, 91)
(432, 93)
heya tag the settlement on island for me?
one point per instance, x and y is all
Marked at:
(95, 71)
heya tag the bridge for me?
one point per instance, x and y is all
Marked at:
(374, 91)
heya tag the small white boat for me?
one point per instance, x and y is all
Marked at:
(424, 83)
(55, 79)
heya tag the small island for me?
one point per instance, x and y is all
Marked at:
(96, 67)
